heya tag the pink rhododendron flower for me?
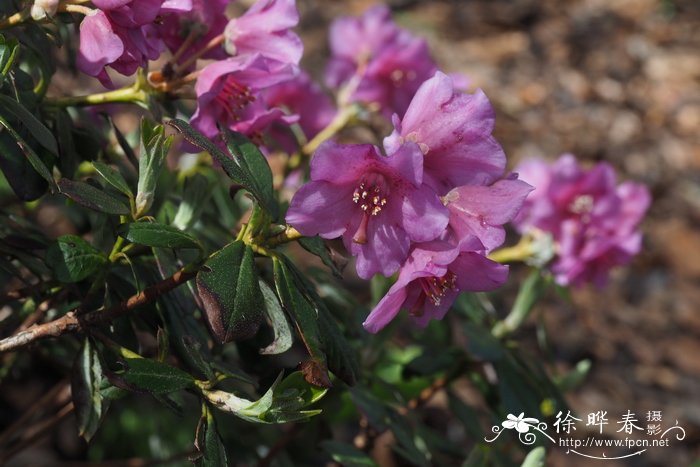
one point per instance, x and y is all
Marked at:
(303, 97)
(454, 132)
(593, 221)
(432, 278)
(121, 34)
(265, 29)
(229, 94)
(389, 62)
(378, 204)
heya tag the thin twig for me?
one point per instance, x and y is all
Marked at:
(72, 323)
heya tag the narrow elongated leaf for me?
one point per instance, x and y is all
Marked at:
(317, 246)
(31, 155)
(38, 130)
(347, 455)
(154, 148)
(209, 444)
(8, 52)
(73, 259)
(283, 333)
(306, 320)
(255, 168)
(154, 234)
(86, 379)
(228, 286)
(25, 181)
(90, 197)
(113, 177)
(249, 168)
(535, 458)
(154, 377)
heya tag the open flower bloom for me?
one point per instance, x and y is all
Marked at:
(432, 278)
(388, 61)
(378, 204)
(453, 130)
(265, 29)
(229, 94)
(121, 34)
(594, 223)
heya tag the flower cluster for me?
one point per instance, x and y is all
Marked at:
(593, 222)
(431, 208)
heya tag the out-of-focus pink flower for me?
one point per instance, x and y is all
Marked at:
(593, 221)
(430, 281)
(378, 204)
(454, 132)
(265, 29)
(388, 61)
(303, 97)
(229, 93)
(203, 22)
(121, 34)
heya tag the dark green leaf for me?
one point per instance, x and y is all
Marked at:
(30, 154)
(283, 333)
(196, 193)
(113, 177)
(154, 234)
(124, 144)
(305, 318)
(228, 286)
(85, 389)
(347, 454)
(24, 180)
(255, 167)
(209, 444)
(317, 246)
(73, 259)
(90, 197)
(35, 127)
(67, 156)
(8, 53)
(154, 377)
(481, 343)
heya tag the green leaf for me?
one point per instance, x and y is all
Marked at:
(283, 333)
(535, 458)
(154, 377)
(113, 177)
(8, 53)
(283, 402)
(347, 454)
(317, 246)
(530, 292)
(24, 180)
(196, 193)
(30, 154)
(209, 444)
(38, 130)
(92, 198)
(90, 407)
(255, 168)
(228, 286)
(305, 319)
(481, 343)
(247, 169)
(154, 234)
(154, 148)
(72, 259)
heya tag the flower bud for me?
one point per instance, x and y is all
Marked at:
(41, 9)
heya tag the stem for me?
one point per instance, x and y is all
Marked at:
(344, 115)
(215, 42)
(289, 235)
(13, 20)
(72, 8)
(519, 252)
(133, 93)
(71, 322)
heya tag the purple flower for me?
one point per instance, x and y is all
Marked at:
(594, 223)
(378, 204)
(195, 28)
(229, 94)
(454, 132)
(303, 97)
(121, 34)
(432, 278)
(388, 61)
(481, 211)
(265, 29)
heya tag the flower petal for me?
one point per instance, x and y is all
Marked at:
(321, 208)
